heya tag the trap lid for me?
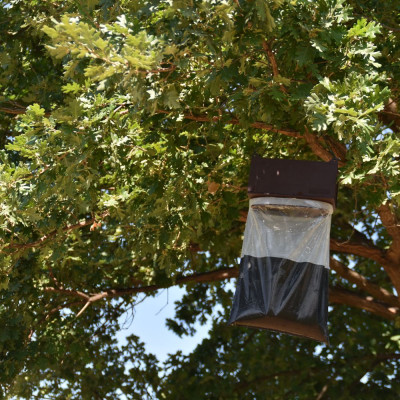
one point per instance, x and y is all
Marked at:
(301, 179)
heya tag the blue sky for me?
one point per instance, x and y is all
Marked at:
(149, 325)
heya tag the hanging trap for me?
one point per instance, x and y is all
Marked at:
(283, 279)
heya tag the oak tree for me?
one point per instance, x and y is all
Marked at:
(127, 129)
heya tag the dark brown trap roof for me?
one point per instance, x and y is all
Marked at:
(312, 180)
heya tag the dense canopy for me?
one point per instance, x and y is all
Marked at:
(127, 129)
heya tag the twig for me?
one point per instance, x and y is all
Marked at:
(43, 239)
(83, 309)
(322, 392)
(50, 313)
(55, 279)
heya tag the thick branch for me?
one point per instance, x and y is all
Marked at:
(339, 149)
(274, 65)
(15, 111)
(318, 149)
(271, 128)
(348, 298)
(212, 276)
(390, 264)
(72, 293)
(322, 392)
(203, 118)
(352, 276)
(392, 225)
(337, 295)
(358, 249)
(355, 236)
(390, 115)
(235, 121)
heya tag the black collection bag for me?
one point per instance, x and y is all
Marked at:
(283, 279)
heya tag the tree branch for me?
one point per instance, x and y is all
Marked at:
(355, 236)
(390, 115)
(352, 276)
(83, 309)
(360, 245)
(358, 249)
(392, 225)
(45, 238)
(339, 149)
(316, 147)
(67, 292)
(319, 150)
(203, 118)
(50, 313)
(343, 296)
(337, 295)
(14, 111)
(217, 275)
(271, 128)
(235, 121)
(274, 65)
(322, 392)
(315, 143)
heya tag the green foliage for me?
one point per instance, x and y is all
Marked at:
(127, 129)
(349, 107)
